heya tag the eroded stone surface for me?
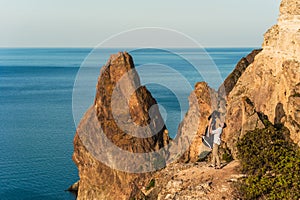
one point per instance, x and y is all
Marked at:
(202, 101)
(272, 81)
(108, 137)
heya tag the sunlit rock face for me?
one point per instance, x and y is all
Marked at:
(272, 81)
(123, 122)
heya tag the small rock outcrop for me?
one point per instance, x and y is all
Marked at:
(121, 138)
(202, 102)
(272, 81)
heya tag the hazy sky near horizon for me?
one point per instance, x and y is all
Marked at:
(75, 23)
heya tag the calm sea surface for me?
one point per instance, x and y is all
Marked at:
(36, 118)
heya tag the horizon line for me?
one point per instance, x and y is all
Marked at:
(89, 47)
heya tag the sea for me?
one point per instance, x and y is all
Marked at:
(45, 91)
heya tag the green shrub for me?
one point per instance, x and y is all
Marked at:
(151, 184)
(227, 157)
(226, 154)
(272, 165)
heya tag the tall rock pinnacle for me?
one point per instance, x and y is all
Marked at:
(118, 140)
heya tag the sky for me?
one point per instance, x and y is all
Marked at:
(79, 23)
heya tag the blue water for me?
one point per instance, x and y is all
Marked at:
(36, 120)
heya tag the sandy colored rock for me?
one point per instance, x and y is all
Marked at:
(196, 181)
(266, 81)
(272, 81)
(234, 76)
(123, 122)
(202, 102)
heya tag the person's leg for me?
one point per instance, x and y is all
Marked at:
(213, 161)
(217, 156)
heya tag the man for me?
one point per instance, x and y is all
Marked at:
(217, 141)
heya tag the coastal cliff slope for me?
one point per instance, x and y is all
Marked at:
(271, 84)
(266, 82)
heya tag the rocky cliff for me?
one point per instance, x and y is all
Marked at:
(266, 82)
(234, 76)
(121, 137)
(205, 100)
(271, 84)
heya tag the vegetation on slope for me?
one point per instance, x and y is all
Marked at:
(271, 162)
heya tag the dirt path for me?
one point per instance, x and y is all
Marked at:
(196, 181)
